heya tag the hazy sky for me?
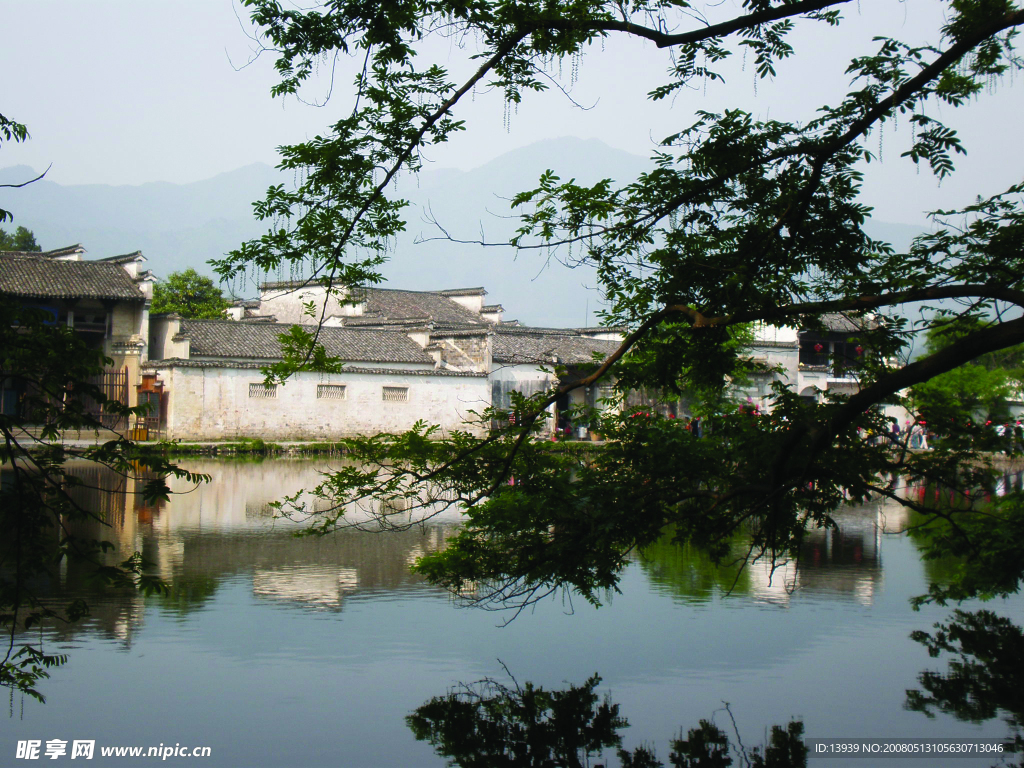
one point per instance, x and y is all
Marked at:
(126, 92)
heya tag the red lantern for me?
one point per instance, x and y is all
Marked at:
(818, 347)
(860, 349)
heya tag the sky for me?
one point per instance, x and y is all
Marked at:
(128, 92)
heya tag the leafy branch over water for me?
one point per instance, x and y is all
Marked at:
(742, 222)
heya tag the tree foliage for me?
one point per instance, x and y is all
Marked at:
(22, 239)
(10, 130)
(742, 220)
(979, 390)
(191, 295)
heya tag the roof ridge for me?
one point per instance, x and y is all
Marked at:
(229, 321)
(133, 256)
(477, 291)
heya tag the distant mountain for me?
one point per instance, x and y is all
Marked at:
(175, 225)
(178, 226)
(533, 285)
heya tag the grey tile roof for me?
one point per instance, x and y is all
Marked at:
(75, 251)
(259, 341)
(67, 250)
(275, 284)
(459, 333)
(44, 277)
(395, 304)
(398, 305)
(840, 321)
(354, 321)
(522, 344)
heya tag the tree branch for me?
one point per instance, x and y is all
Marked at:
(30, 181)
(666, 40)
(956, 354)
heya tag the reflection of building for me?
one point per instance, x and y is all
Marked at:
(106, 302)
(219, 532)
(311, 585)
(840, 562)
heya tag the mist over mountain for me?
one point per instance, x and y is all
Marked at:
(178, 226)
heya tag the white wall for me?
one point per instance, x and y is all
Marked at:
(213, 403)
(162, 330)
(527, 379)
(286, 304)
(474, 302)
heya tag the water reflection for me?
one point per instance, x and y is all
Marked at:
(231, 527)
(932, 494)
(488, 724)
(228, 530)
(338, 629)
(983, 680)
(969, 538)
(842, 563)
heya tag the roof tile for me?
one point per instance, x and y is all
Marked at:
(537, 346)
(397, 305)
(43, 277)
(259, 341)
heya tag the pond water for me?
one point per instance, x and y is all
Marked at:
(282, 651)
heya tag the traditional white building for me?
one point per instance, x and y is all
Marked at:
(105, 302)
(211, 372)
(812, 363)
(409, 356)
(433, 356)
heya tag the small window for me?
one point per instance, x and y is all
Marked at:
(396, 394)
(262, 390)
(330, 391)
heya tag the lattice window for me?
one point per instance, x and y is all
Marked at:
(261, 390)
(396, 394)
(330, 391)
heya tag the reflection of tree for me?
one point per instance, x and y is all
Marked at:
(488, 724)
(708, 747)
(189, 594)
(689, 572)
(985, 680)
(974, 539)
(939, 569)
